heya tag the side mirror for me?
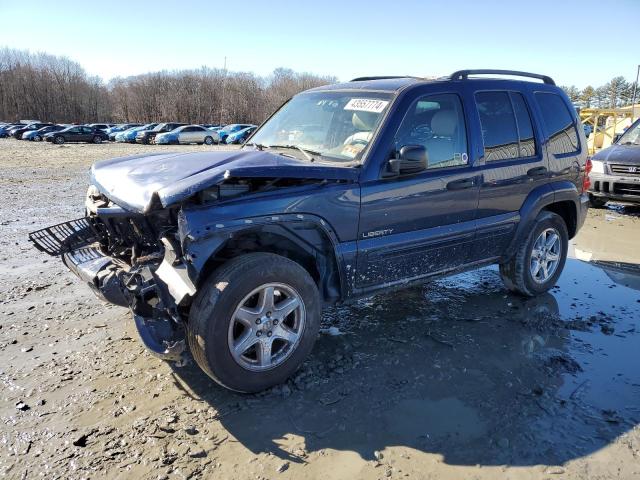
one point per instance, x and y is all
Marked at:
(410, 159)
(616, 137)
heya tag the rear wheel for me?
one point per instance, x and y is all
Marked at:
(37, 138)
(597, 202)
(540, 258)
(58, 140)
(254, 321)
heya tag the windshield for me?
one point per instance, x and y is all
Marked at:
(631, 136)
(337, 126)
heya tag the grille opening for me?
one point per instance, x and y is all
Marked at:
(627, 188)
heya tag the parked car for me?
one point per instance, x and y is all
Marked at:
(616, 170)
(186, 134)
(76, 133)
(241, 135)
(4, 130)
(237, 252)
(149, 136)
(129, 136)
(10, 131)
(17, 133)
(231, 128)
(100, 126)
(38, 135)
(120, 128)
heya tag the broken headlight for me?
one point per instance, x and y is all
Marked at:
(222, 192)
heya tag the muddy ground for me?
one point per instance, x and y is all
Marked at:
(454, 380)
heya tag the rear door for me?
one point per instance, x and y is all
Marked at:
(197, 134)
(513, 164)
(420, 224)
(86, 134)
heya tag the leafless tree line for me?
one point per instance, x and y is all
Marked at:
(57, 89)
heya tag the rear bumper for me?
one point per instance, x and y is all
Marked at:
(616, 187)
(582, 214)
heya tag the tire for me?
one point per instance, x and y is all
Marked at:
(517, 273)
(97, 139)
(208, 141)
(597, 202)
(58, 140)
(37, 138)
(212, 320)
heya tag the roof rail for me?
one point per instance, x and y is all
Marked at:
(464, 74)
(389, 77)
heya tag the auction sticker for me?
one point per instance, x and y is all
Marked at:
(366, 105)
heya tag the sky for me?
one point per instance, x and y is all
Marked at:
(575, 42)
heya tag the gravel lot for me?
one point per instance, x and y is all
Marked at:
(454, 380)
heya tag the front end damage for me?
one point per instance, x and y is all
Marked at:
(154, 221)
(131, 260)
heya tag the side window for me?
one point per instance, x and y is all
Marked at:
(437, 122)
(498, 122)
(87, 129)
(563, 136)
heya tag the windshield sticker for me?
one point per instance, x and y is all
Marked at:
(366, 105)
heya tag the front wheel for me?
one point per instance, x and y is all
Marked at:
(97, 139)
(208, 141)
(540, 258)
(58, 140)
(254, 321)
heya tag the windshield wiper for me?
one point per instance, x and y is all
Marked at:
(305, 151)
(308, 154)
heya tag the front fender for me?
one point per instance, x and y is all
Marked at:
(201, 239)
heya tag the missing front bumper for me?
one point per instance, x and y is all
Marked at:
(152, 294)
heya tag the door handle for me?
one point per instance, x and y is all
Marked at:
(460, 184)
(537, 172)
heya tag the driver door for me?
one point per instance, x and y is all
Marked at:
(423, 223)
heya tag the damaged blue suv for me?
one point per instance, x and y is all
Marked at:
(346, 190)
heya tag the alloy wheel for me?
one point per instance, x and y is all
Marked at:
(545, 255)
(266, 327)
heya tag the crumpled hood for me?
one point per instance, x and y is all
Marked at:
(135, 182)
(629, 154)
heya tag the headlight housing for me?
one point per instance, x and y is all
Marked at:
(597, 166)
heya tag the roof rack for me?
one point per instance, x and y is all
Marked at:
(464, 74)
(390, 77)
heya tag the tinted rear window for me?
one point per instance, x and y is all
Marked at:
(499, 130)
(559, 123)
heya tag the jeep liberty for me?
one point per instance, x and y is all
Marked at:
(346, 190)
